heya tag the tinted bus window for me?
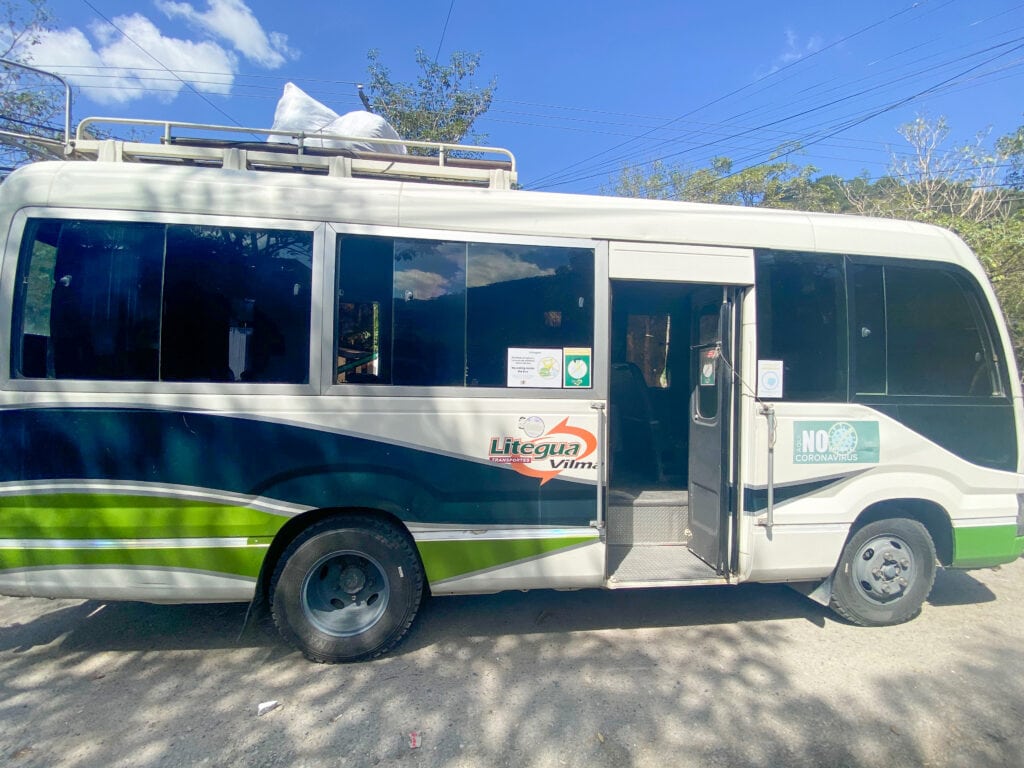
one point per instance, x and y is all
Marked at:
(937, 340)
(155, 302)
(801, 320)
(442, 313)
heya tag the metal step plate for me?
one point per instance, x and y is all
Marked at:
(656, 563)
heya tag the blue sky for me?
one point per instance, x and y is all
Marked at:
(583, 88)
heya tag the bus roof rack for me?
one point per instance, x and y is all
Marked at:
(300, 152)
(46, 143)
(201, 145)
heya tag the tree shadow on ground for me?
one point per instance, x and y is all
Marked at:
(96, 626)
(749, 676)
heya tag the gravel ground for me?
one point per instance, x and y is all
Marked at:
(713, 676)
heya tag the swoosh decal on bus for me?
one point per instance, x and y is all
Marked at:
(299, 466)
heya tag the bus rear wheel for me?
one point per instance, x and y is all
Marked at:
(885, 573)
(346, 589)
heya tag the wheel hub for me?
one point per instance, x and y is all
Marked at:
(345, 593)
(352, 580)
(885, 569)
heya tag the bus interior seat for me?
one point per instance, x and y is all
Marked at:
(635, 429)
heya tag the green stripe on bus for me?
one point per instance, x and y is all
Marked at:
(986, 545)
(449, 558)
(237, 561)
(128, 516)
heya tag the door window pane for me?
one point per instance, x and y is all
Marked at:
(648, 338)
(707, 356)
(708, 382)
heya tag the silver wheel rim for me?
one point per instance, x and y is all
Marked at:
(345, 593)
(885, 569)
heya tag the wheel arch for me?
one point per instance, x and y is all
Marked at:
(932, 516)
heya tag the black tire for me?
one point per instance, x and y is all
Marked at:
(885, 573)
(346, 589)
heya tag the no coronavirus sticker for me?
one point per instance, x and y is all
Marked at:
(835, 442)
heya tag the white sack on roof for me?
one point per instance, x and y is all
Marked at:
(298, 111)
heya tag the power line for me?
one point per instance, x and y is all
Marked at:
(448, 18)
(602, 168)
(817, 108)
(561, 176)
(739, 90)
(704, 127)
(699, 125)
(827, 125)
(164, 66)
(876, 113)
(31, 124)
(575, 118)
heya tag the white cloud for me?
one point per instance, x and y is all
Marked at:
(498, 267)
(234, 21)
(421, 285)
(795, 50)
(116, 69)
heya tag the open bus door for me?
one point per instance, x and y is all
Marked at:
(710, 429)
(671, 413)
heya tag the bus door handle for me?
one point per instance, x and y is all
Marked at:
(601, 412)
(768, 411)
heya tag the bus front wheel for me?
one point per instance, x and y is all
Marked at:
(346, 589)
(885, 573)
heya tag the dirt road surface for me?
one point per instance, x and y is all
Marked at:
(714, 676)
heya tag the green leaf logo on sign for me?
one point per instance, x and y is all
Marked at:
(577, 367)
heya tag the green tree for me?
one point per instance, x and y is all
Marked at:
(779, 183)
(28, 103)
(932, 181)
(440, 106)
(958, 188)
(965, 188)
(1011, 150)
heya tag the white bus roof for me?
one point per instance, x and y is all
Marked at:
(118, 186)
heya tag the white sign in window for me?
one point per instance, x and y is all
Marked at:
(769, 378)
(534, 368)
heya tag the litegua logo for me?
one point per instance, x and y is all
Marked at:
(835, 442)
(544, 455)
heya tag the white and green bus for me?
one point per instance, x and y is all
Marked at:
(334, 383)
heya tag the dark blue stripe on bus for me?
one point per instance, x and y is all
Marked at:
(983, 433)
(290, 463)
(756, 499)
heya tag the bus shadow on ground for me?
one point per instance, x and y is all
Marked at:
(94, 626)
(958, 588)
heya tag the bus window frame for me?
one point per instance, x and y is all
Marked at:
(598, 354)
(981, 307)
(8, 288)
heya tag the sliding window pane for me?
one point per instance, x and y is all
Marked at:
(429, 313)
(237, 305)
